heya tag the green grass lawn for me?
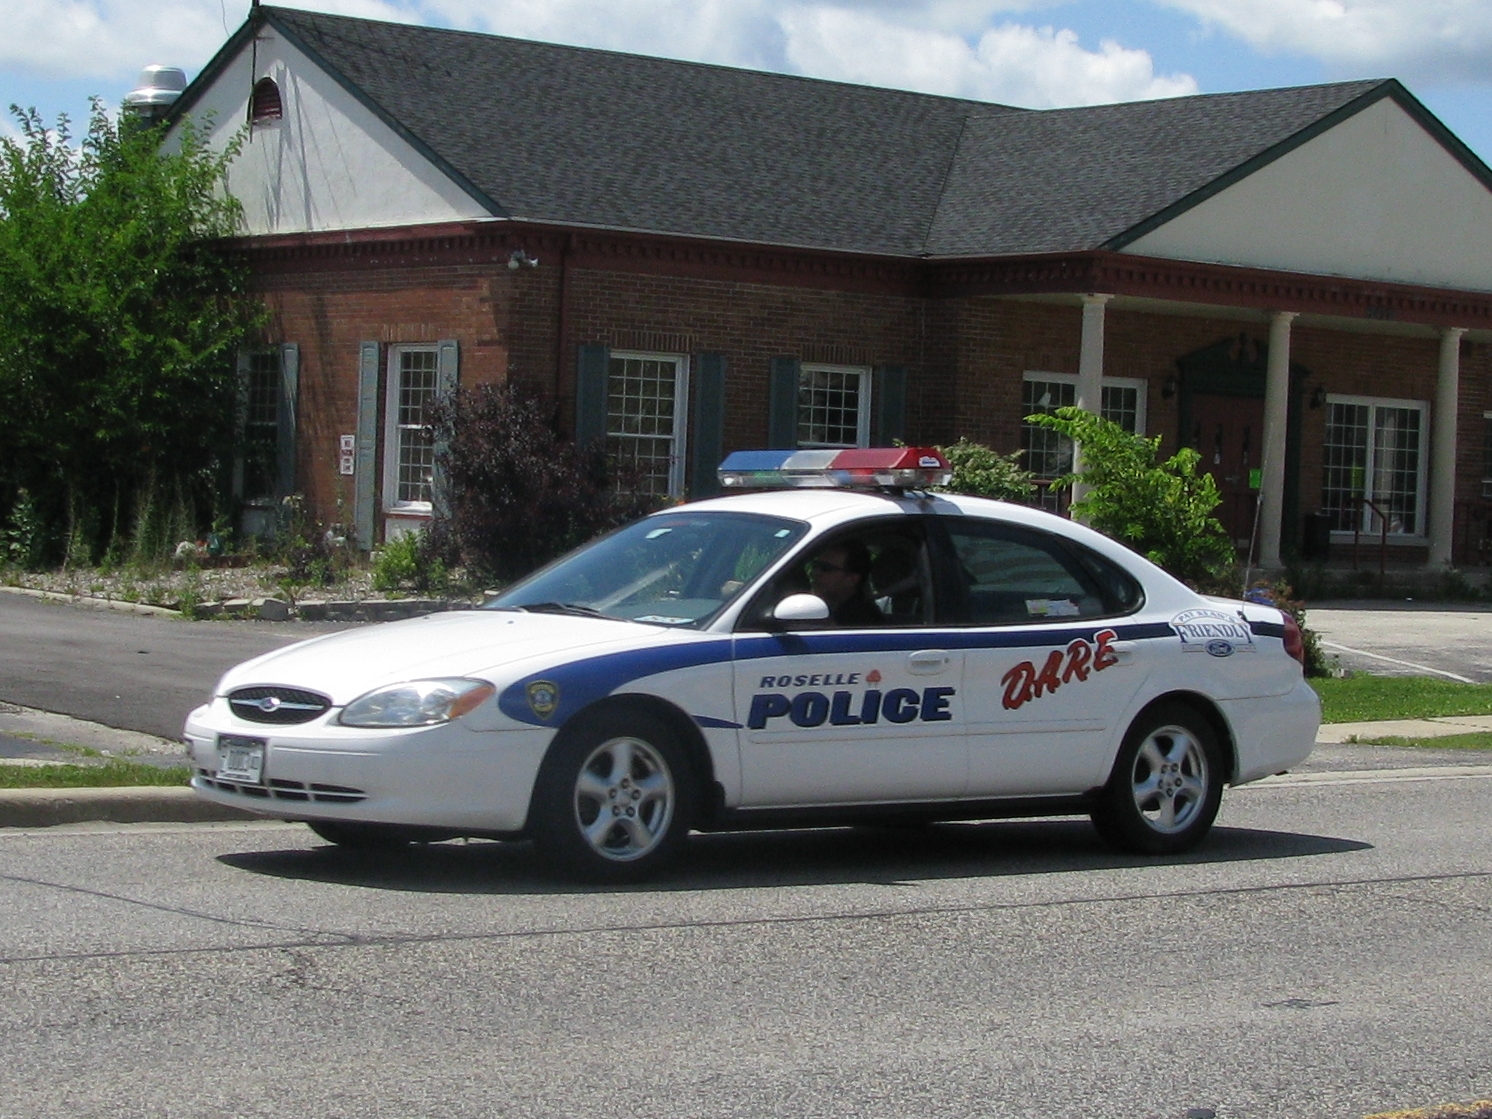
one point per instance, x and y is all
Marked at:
(116, 771)
(1360, 699)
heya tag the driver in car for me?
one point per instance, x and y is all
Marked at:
(840, 576)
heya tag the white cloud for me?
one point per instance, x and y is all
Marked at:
(962, 47)
(115, 39)
(1012, 63)
(1429, 39)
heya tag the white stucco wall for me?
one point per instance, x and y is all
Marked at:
(330, 163)
(1374, 198)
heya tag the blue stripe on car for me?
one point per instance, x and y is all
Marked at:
(581, 683)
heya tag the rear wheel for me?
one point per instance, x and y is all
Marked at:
(615, 798)
(1167, 783)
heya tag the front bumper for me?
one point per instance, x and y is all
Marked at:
(446, 776)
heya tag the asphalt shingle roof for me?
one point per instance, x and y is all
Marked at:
(588, 137)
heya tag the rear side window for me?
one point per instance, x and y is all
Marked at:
(1004, 575)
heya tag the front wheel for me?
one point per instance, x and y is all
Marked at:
(1166, 786)
(614, 798)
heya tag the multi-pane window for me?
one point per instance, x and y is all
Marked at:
(1372, 465)
(645, 420)
(261, 401)
(1049, 455)
(410, 446)
(1487, 454)
(833, 406)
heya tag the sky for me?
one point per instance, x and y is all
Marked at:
(1032, 53)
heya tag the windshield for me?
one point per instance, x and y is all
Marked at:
(672, 569)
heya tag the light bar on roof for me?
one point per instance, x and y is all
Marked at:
(853, 468)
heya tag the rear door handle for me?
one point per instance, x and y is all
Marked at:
(1124, 651)
(928, 662)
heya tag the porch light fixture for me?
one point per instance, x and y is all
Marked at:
(1168, 388)
(1318, 397)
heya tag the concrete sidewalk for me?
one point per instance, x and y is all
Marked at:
(1439, 727)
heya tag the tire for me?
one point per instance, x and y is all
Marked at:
(1167, 783)
(614, 799)
(361, 837)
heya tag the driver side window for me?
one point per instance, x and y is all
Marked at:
(868, 578)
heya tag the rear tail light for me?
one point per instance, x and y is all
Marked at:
(1294, 644)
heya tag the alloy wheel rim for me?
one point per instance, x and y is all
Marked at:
(1169, 780)
(624, 799)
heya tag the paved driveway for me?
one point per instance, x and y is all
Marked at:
(1408, 638)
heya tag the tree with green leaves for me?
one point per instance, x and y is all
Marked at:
(120, 322)
(1161, 509)
(982, 472)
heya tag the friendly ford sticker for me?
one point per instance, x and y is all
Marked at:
(1213, 632)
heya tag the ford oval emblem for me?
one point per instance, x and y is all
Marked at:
(1220, 648)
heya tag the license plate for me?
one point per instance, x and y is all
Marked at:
(241, 760)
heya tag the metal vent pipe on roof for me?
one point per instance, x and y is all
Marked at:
(159, 88)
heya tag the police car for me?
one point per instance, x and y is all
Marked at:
(830, 642)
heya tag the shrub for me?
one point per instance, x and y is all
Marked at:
(1280, 595)
(412, 561)
(979, 471)
(517, 493)
(1163, 510)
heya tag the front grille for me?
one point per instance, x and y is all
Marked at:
(280, 789)
(273, 704)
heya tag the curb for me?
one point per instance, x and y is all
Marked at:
(98, 603)
(144, 804)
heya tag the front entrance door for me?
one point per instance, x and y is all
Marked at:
(1228, 432)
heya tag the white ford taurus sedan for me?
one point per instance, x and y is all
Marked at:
(842, 648)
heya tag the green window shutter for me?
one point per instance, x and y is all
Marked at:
(240, 422)
(782, 404)
(888, 402)
(447, 381)
(364, 482)
(285, 419)
(590, 394)
(707, 440)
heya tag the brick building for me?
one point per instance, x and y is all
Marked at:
(694, 259)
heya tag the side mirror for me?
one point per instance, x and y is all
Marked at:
(800, 608)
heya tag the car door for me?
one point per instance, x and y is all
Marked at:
(852, 714)
(1050, 665)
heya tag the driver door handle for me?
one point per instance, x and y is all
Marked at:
(928, 662)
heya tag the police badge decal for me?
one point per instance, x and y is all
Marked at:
(543, 697)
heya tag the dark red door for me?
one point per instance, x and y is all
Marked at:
(1228, 431)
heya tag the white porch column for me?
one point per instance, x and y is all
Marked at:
(1090, 370)
(1443, 448)
(1276, 416)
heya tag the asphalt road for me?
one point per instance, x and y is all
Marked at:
(1408, 638)
(124, 670)
(1328, 954)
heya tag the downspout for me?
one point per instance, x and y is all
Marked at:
(562, 323)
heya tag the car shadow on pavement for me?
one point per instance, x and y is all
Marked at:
(750, 860)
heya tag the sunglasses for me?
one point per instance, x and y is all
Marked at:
(822, 566)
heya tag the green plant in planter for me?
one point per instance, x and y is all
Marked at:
(1161, 509)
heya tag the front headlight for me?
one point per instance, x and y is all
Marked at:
(417, 703)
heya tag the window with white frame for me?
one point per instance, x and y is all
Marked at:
(1049, 455)
(1372, 466)
(261, 425)
(409, 446)
(833, 406)
(646, 419)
